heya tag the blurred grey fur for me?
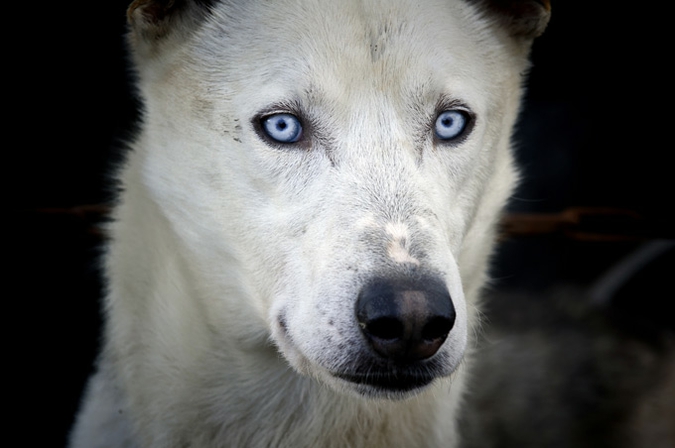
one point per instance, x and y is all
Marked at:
(591, 367)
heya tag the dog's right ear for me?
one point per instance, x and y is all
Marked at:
(154, 21)
(521, 18)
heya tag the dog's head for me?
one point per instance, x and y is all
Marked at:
(336, 169)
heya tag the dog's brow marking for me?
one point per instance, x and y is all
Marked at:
(397, 248)
(400, 254)
(366, 222)
(397, 230)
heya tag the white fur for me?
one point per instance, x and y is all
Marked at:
(217, 233)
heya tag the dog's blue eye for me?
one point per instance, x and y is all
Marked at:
(451, 124)
(283, 128)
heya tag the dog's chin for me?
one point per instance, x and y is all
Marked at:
(374, 379)
(385, 385)
(375, 383)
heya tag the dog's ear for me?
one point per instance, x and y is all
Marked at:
(522, 18)
(153, 21)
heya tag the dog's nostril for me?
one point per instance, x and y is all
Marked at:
(437, 327)
(385, 328)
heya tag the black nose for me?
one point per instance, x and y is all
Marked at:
(405, 320)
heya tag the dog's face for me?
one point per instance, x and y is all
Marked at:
(338, 168)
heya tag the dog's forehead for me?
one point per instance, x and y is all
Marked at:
(351, 46)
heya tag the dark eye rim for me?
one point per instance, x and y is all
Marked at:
(468, 128)
(304, 142)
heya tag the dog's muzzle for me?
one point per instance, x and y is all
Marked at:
(405, 322)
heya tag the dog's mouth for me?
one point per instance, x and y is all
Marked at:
(392, 382)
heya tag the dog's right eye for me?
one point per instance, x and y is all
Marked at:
(452, 124)
(282, 127)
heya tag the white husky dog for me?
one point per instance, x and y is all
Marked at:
(305, 220)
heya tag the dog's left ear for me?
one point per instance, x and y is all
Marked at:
(153, 22)
(521, 18)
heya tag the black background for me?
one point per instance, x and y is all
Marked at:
(594, 132)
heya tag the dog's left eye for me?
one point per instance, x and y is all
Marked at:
(282, 127)
(451, 124)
